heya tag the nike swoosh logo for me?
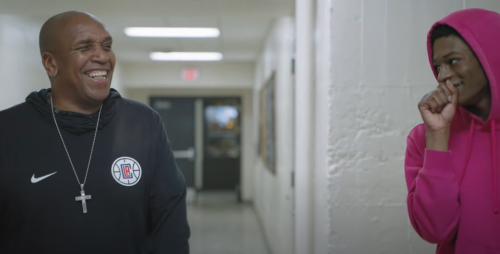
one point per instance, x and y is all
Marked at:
(36, 180)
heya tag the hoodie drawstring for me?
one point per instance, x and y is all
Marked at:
(495, 166)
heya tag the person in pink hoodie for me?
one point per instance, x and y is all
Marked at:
(451, 162)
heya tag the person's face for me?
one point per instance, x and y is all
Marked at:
(454, 60)
(86, 60)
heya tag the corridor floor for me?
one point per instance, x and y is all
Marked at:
(221, 225)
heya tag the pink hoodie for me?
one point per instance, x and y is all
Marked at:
(453, 197)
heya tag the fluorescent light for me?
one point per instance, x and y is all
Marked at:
(179, 32)
(186, 56)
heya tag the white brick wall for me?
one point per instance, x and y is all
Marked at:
(379, 71)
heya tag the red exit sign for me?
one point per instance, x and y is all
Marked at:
(190, 74)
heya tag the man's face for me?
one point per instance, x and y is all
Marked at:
(454, 60)
(85, 60)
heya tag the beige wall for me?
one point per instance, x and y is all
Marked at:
(235, 75)
(248, 149)
(20, 62)
(117, 82)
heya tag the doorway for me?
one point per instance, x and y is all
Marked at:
(205, 136)
(178, 115)
(222, 137)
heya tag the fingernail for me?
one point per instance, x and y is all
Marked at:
(449, 98)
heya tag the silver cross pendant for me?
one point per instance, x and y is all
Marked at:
(83, 198)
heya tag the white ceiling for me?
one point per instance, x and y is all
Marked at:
(243, 23)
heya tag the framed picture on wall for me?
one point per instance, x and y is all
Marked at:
(267, 123)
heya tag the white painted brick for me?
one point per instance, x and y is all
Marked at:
(416, 244)
(398, 17)
(346, 34)
(484, 4)
(374, 43)
(387, 224)
(383, 225)
(343, 10)
(423, 15)
(343, 188)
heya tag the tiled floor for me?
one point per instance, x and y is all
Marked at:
(220, 225)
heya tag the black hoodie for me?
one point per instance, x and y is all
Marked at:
(137, 192)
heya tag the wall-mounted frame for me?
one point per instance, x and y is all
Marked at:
(267, 123)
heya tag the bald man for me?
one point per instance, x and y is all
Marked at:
(83, 170)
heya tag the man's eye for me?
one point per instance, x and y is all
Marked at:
(452, 61)
(87, 47)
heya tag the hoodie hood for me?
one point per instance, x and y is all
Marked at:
(481, 30)
(75, 123)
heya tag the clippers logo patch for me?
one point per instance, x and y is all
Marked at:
(126, 171)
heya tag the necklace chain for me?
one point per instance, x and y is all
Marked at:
(69, 157)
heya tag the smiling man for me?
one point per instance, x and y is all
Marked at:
(83, 170)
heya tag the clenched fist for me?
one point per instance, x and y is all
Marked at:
(438, 107)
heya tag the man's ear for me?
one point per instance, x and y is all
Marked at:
(50, 64)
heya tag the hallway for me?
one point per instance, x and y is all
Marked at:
(221, 225)
(303, 107)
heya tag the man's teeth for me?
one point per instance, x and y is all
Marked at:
(98, 74)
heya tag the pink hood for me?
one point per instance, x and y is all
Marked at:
(453, 196)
